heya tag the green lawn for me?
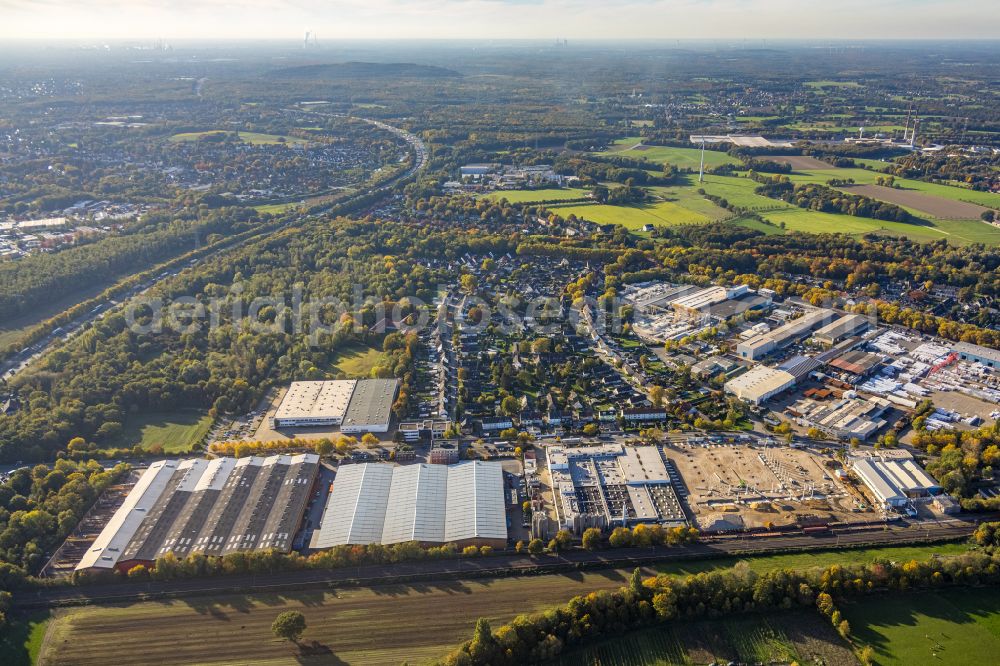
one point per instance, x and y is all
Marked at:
(832, 84)
(679, 157)
(276, 209)
(176, 432)
(660, 213)
(816, 558)
(255, 138)
(21, 640)
(530, 196)
(358, 360)
(952, 627)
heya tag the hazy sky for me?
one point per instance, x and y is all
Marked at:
(548, 19)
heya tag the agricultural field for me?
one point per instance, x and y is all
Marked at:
(176, 431)
(633, 217)
(532, 196)
(935, 206)
(866, 177)
(951, 627)
(357, 361)
(679, 157)
(802, 637)
(255, 138)
(387, 624)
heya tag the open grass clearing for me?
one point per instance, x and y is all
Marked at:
(531, 196)
(679, 157)
(803, 637)
(358, 360)
(635, 216)
(278, 208)
(831, 84)
(952, 627)
(176, 432)
(816, 558)
(255, 138)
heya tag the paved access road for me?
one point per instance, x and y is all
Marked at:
(496, 566)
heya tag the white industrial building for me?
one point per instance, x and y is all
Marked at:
(760, 384)
(356, 406)
(432, 504)
(895, 482)
(318, 403)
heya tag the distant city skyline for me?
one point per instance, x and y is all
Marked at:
(500, 19)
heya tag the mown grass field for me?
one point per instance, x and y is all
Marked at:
(358, 360)
(816, 558)
(176, 431)
(633, 217)
(376, 625)
(531, 196)
(276, 209)
(780, 638)
(680, 157)
(256, 138)
(954, 627)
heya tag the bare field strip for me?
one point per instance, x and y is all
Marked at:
(800, 162)
(942, 209)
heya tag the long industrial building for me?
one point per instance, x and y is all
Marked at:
(845, 327)
(431, 504)
(356, 406)
(762, 345)
(314, 403)
(215, 507)
(895, 482)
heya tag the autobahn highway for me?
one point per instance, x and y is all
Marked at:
(498, 565)
(19, 361)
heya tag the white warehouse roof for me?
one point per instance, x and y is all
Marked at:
(386, 503)
(319, 400)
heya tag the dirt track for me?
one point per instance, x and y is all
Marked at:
(943, 209)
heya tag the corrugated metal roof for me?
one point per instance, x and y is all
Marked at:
(386, 503)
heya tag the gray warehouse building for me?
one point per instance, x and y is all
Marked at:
(215, 507)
